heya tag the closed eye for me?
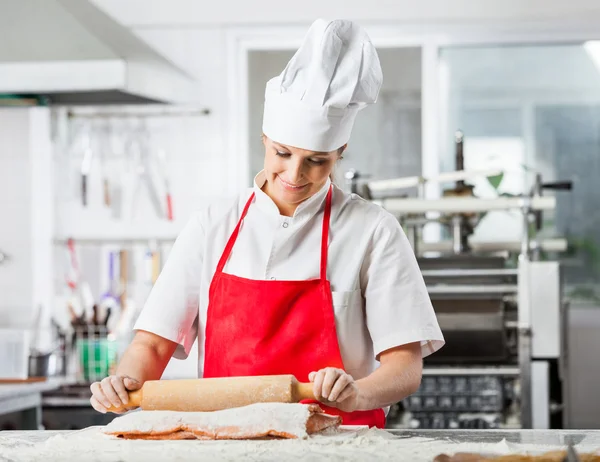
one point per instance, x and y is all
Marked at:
(286, 155)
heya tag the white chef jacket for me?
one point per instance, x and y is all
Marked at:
(379, 296)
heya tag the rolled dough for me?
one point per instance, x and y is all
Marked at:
(254, 421)
(554, 456)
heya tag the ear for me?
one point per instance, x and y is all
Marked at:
(342, 149)
(264, 139)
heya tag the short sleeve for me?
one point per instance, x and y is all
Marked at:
(171, 310)
(398, 307)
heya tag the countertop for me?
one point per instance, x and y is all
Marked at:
(21, 389)
(27, 398)
(346, 445)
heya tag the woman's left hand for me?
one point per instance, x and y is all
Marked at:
(335, 388)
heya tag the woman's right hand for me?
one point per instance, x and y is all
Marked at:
(113, 391)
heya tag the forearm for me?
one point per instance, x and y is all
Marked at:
(146, 357)
(398, 376)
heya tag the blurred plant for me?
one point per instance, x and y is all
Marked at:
(496, 180)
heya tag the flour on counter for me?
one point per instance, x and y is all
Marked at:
(342, 445)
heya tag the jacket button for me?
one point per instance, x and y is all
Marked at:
(285, 225)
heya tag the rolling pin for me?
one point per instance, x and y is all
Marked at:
(217, 393)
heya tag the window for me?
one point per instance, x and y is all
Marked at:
(533, 109)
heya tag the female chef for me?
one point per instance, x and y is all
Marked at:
(295, 276)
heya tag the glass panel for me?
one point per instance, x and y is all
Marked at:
(532, 109)
(386, 140)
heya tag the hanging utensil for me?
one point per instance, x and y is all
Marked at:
(106, 154)
(110, 298)
(163, 168)
(105, 181)
(86, 166)
(106, 188)
(123, 324)
(143, 161)
(155, 265)
(74, 304)
(123, 278)
(111, 293)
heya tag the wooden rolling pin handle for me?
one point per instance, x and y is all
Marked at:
(302, 391)
(135, 400)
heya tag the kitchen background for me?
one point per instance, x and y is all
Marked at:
(149, 100)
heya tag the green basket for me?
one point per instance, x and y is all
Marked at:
(96, 357)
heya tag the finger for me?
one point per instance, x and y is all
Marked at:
(110, 392)
(318, 383)
(132, 384)
(97, 405)
(340, 385)
(347, 393)
(99, 394)
(119, 387)
(311, 376)
(330, 378)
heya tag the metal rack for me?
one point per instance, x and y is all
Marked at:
(142, 113)
(501, 309)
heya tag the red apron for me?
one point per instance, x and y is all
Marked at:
(257, 327)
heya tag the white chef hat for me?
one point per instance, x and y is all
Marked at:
(312, 104)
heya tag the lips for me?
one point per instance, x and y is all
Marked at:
(291, 186)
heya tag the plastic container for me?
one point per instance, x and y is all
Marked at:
(14, 353)
(97, 356)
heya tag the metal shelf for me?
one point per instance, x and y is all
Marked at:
(121, 233)
(447, 289)
(469, 272)
(502, 370)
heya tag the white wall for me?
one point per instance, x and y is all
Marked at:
(60, 35)
(26, 214)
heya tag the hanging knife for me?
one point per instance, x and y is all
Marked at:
(86, 166)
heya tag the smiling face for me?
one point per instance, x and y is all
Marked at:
(293, 174)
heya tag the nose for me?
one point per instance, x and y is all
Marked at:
(295, 172)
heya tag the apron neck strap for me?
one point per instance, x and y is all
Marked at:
(324, 236)
(233, 237)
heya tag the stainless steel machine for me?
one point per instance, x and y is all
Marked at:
(499, 304)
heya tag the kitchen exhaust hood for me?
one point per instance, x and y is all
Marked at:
(72, 52)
